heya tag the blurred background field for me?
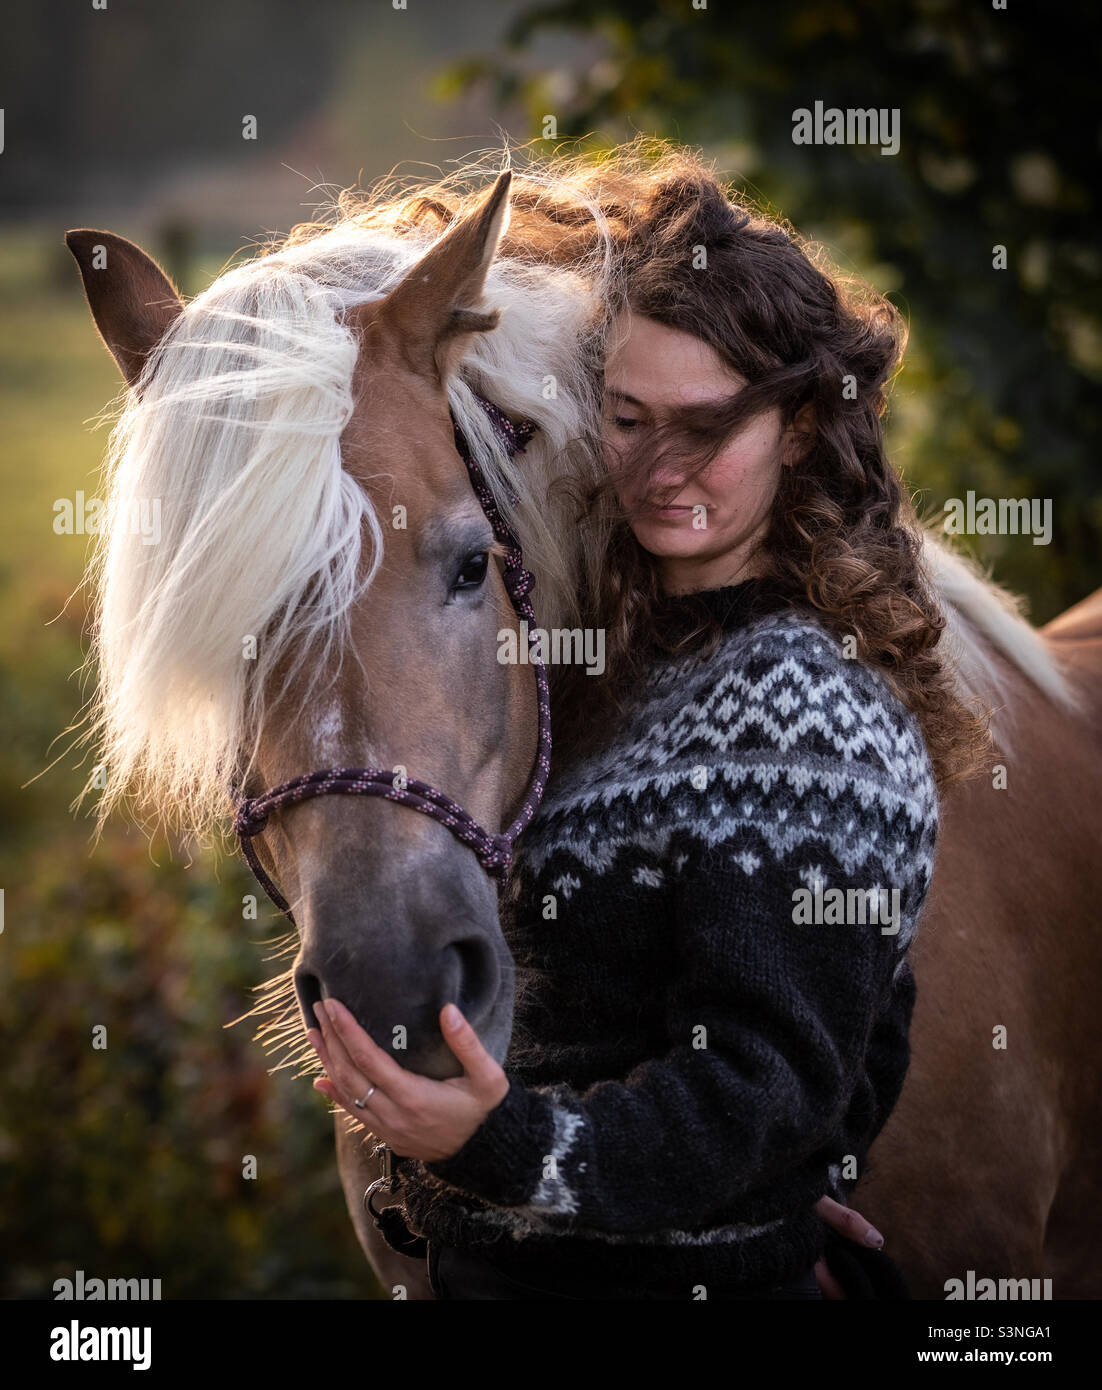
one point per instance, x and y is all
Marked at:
(128, 1162)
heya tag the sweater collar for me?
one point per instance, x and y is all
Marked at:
(732, 606)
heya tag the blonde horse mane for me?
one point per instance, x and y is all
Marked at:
(234, 432)
(988, 635)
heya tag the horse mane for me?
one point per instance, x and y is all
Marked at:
(988, 637)
(234, 431)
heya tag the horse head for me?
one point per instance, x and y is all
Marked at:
(324, 593)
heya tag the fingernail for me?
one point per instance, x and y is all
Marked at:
(873, 1237)
(331, 1009)
(452, 1017)
(318, 1010)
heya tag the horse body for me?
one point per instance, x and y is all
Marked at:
(992, 1158)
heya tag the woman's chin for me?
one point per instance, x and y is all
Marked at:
(672, 541)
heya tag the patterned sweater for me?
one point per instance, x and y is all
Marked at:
(713, 995)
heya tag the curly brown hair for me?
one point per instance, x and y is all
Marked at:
(843, 540)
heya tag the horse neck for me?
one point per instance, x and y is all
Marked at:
(994, 652)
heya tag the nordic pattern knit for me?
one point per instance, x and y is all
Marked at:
(689, 1062)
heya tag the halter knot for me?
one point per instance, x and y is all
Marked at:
(249, 820)
(498, 855)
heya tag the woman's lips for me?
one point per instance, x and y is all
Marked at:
(669, 513)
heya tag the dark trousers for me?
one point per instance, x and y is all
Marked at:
(459, 1274)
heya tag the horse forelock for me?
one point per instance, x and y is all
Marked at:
(266, 543)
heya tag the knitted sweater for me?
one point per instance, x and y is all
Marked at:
(705, 1027)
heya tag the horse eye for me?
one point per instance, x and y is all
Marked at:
(473, 572)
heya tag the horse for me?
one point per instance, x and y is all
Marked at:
(991, 1161)
(304, 609)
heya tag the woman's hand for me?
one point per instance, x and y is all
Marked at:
(853, 1226)
(414, 1115)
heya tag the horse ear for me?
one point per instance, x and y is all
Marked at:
(133, 302)
(434, 309)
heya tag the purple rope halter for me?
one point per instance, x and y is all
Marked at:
(495, 852)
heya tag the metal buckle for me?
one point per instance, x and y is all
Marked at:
(384, 1182)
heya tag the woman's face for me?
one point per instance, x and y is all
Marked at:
(708, 534)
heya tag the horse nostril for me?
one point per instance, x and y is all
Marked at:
(308, 990)
(475, 976)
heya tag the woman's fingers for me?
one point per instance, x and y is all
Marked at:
(415, 1115)
(350, 1082)
(352, 1051)
(368, 1116)
(338, 1063)
(317, 1042)
(479, 1067)
(362, 1051)
(848, 1223)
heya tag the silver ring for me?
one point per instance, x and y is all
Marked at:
(360, 1104)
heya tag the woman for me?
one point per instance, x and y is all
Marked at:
(711, 912)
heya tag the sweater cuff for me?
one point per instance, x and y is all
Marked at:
(503, 1160)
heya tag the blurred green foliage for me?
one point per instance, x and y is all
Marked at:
(999, 146)
(123, 1162)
